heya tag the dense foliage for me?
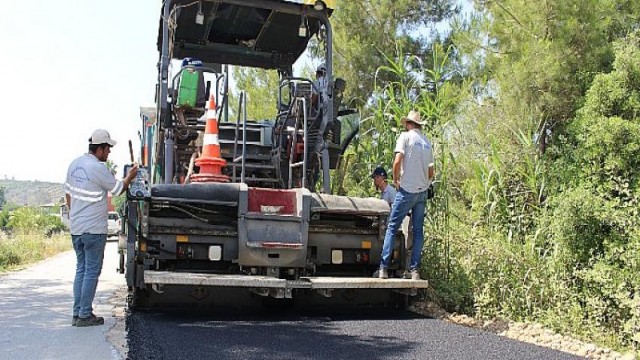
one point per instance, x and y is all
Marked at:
(534, 113)
(533, 109)
(364, 31)
(2, 198)
(26, 219)
(27, 235)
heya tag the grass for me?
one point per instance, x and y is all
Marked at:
(25, 247)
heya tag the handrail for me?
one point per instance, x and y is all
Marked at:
(237, 130)
(244, 135)
(294, 141)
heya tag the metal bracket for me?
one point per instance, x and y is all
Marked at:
(200, 293)
(410, 292)
(260, 291)
(282, 293)
(157, 288)
(325, 292)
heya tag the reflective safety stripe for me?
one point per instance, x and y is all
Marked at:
(210, 139)
(86, 198)
(82, 191)
(211, 114)
(118, 188)
(82, 194)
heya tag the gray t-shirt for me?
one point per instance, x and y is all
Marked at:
(88, 181)
(418, 154)
(388, 194)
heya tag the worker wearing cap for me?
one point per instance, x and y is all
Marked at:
(319, 85)
(387, 192)
(88, 181)
(413, 171)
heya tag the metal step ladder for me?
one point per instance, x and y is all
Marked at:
(301, 101)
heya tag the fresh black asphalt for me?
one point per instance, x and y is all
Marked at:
(316, 335)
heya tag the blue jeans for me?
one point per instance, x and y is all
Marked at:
(89, 255)
(403, 203)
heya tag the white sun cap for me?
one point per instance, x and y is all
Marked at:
(101, 136)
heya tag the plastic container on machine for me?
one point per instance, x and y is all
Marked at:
(188, 89)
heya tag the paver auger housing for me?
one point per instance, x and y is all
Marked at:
(268, 224)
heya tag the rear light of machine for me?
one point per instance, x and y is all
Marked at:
(350, 256)
(184, 251)
(362, 256)
(336, 257)
(215, 252)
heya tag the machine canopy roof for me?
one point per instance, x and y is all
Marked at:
(256, 33)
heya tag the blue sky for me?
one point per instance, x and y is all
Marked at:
(67, 68)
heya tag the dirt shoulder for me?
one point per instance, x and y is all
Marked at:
(530, 333)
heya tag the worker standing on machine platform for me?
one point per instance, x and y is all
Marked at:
(413, 171)
(319, 85)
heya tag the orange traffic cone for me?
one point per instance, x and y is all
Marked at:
(210, 162)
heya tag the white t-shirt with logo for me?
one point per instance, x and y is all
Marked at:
(418, 154)
(88, 181)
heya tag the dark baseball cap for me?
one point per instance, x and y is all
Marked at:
(379, 171)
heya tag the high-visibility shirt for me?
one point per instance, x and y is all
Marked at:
(88, 181)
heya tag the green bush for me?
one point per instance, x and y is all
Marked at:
(4, 218)
(447, 274)
(580, 224)
(23, 247)
(32, 219)
(9, 254)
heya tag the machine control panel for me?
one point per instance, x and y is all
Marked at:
(139, 187)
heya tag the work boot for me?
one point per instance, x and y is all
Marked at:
(382, 274)
(90, 321)
(415, 275)
(75, 320)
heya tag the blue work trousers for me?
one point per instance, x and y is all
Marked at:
(89, 255)
(404, 203)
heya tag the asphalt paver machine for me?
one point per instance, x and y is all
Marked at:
(244, 204)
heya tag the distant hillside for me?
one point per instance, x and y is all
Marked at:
(32, 193)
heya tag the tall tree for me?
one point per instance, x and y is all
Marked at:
(543, 55)
(2, 199)
(261, 87)
(364, 31)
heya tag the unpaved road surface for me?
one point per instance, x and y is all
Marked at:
(35, 304)
(35, 311)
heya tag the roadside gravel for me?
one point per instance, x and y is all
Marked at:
(530, 333)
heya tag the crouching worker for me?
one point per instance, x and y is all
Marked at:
(387, 192)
